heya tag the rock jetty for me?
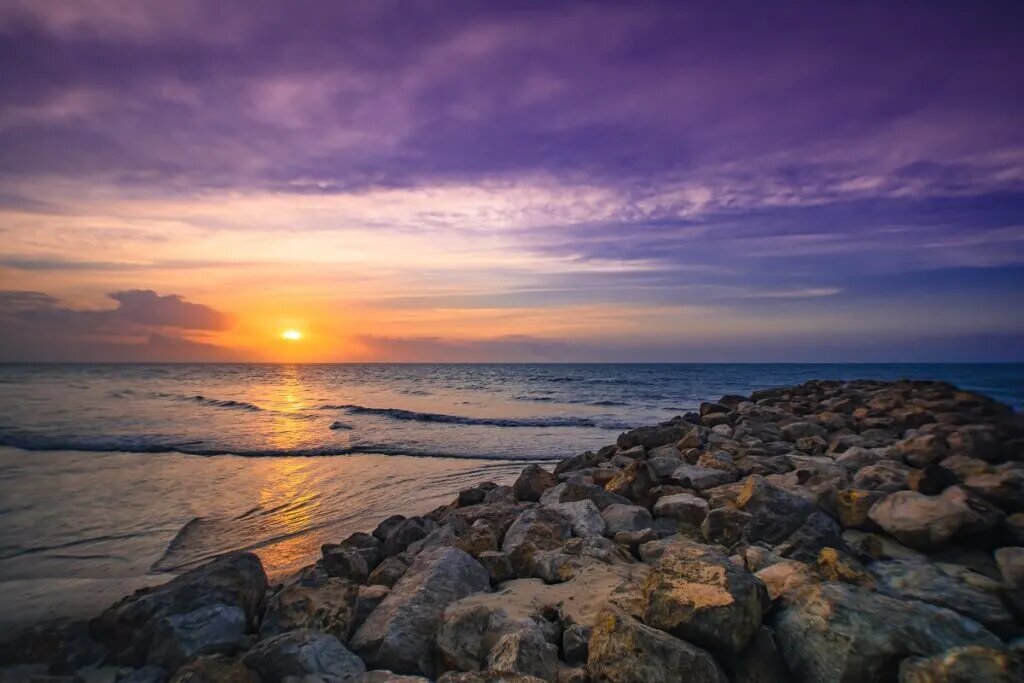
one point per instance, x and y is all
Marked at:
(831, 532)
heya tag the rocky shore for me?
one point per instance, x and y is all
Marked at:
(829, 532)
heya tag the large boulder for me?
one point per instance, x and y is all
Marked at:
(583, 516)
(571, 491)
(399, 634)
(543, 527)
(622, 650)
(947, 585)
(404, 532)
(214, 669)
(652, 437)
(235, 582)
(329, 607)
(683, 507)
(836, 633)
(467, 634)
(211, 629)
(927, 522)
(971, 664)
(619, 518)
(701, 478)
(635, 482)
(298, 654)
(776, 511)
(532, 482)
(525, 651)
(697, 593)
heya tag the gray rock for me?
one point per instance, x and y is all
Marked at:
(926, 522)
(532, 482)
(971, 664)
(777, 513)
(387, 572)
(584, 517)
(836, 633)
(368, 600)
(329, 607)
(303, 653)
(700, 478)
(467, 633)
(381, 676)
(799, 430)
(618, 518)
(568, 492)
(652, 437)
(498, 565)
(682, 506)
(543, 527)
(574, 643)
(634, 482)
(398, 635)
(664, 467)
(622, 650)
(1011, 566)
(345, 562)
(725, 526)
(405, 532)
(525, 651)
(1003, 487)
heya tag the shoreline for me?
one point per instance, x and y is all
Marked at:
(713, 542)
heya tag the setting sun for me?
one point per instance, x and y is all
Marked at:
(291, 335)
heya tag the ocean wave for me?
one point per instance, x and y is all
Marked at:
(413, 416)
(188, 398)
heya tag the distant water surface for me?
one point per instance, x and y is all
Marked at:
(110, 474)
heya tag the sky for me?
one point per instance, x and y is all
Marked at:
(511, 181)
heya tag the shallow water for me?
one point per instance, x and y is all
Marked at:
(115, 475)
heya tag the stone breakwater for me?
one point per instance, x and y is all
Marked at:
(833, 532)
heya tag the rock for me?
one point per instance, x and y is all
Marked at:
(532, 482)
(214, 669)
(575, 639)
(386, 527)
(329, 607)
(303, 653)
(833, 565)
(1003, 487)
(696, 593)
(620, 517)
(852, 506)
(776, 512)
(694, 438)
(885, 475)
(706, 408)
(368, 545)
(1011, 566)
(147, 674)
(761, 661)
(226, 593)
(799, 430)
(970, 664)
(481, 537)
(387, 572)
(947, 585)
(652, 437)
(785, 577)
(923, 450)
(369, 599)
(584, 517)
(404, 532)
(345, 562)
(622, 650)
(926, 522)
(1013, 526)
(836, 633)
(467, 634)
(667, 452)
(662, 467)
(818, 531)
(634, 482)
(381, 676)
(725, 526)
(700, 478)
(398, 634)
(977, 441)
(931, 480)
(578, 462)
(542, 527)
(498, 565)
(525, 651)
(684, 507)
(487, 677)
(474, 496)
(568, 492)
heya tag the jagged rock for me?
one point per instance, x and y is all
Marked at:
(525, 651)
(622, 650)
(487, 677)
(947, 585)
(923, 450)
(799, 430)
(836, 633)
(386, 527)
(667, 452)
(303, 653)
(707, 407)
(382, 676)
(1011, 566)
(479, 538)
(725, 526)
(329, 607)
(926, 522)
(368, 545)
(620, 517)
(693, 438)
(852, 506)
(776, 512)
(884, 475)
(578, 462)
(345, 562)
(1013, 526)
(977, 441)
(213, 669)
(215, 600)
(1003, 487)
(696, 593)
(931, 480)
(583, 515)
(971, 664)
(147, 674)
(652, 437)
(568, 492)
(532, 482)
(575, 639)
(467, 634)
(784, 577)
(833, 565)
(369, 599)
(404, 532)
(662, 467)
(542, 527)
(387, 572)
(634, 482)
(818, 531)
(682, 506)
(701, 478)
(498, 565)
(398, 634)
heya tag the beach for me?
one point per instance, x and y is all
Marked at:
(716, 541)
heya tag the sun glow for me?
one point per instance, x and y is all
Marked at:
(291, 335)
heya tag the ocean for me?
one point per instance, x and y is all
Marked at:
(114, 476)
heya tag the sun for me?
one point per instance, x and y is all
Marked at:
(291, 335)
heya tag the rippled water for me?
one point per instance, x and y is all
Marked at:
(111, 475)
